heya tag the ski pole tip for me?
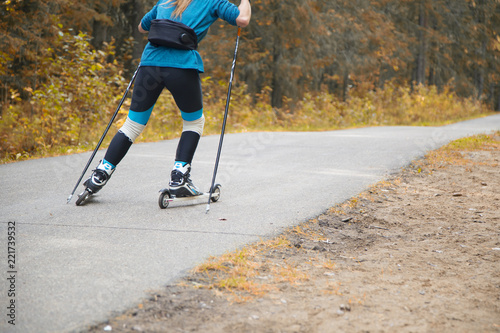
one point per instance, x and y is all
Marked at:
(207, 209)
(69, 198)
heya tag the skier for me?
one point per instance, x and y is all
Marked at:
(178, 71)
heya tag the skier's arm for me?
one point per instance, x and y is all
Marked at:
(145, 23)
(245, 13)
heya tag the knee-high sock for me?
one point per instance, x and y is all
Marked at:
(122, 141)
(191, 133)
(187, 146)
(118, 148)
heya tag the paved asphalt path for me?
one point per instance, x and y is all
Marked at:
(76, 266)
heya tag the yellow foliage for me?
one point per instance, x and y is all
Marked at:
(74, 99)
(73, 107)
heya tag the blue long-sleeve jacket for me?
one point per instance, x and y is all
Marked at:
(199, 15)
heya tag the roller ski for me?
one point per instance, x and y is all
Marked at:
(181, 188)
(93, 184)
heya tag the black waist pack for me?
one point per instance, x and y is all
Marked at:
(172, 34)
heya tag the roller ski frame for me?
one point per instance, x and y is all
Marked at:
(166, 197)
(84, 196)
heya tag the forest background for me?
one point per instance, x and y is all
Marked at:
(302, 65)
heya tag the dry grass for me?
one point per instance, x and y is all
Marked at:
(244, 274)
(456, 152)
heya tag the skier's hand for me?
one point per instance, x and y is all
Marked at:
(245, 14)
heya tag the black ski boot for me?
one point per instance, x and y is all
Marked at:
(180, 184)
(96, 181)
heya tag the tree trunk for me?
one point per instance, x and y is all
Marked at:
(277, 62)
(277, 93)
(479, 72)
(345, 86)
(498, 99)
(431, 76)
(99, 34)
(479, 80)
(138, 12)
(420, 75)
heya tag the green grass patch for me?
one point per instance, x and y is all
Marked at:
(476, 142)
(457, 152)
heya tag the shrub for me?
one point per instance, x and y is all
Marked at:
(78, 88)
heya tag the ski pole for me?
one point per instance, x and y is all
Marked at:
(104, 134)
(225, 119)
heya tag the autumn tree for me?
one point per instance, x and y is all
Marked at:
(290, 47)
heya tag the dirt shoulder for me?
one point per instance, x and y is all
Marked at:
(419, 252)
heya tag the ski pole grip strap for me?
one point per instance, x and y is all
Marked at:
(164, 32)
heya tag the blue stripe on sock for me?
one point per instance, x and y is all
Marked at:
(176, 164)
(190, 116)
(140, 117)
(111, 164)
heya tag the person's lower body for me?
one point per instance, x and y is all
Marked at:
(185, 87)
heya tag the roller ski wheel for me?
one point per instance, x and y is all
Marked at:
(215, 193)
(166, 197)
(83, 197)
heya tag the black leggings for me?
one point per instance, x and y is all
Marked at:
(185, 87)
(183, 84)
